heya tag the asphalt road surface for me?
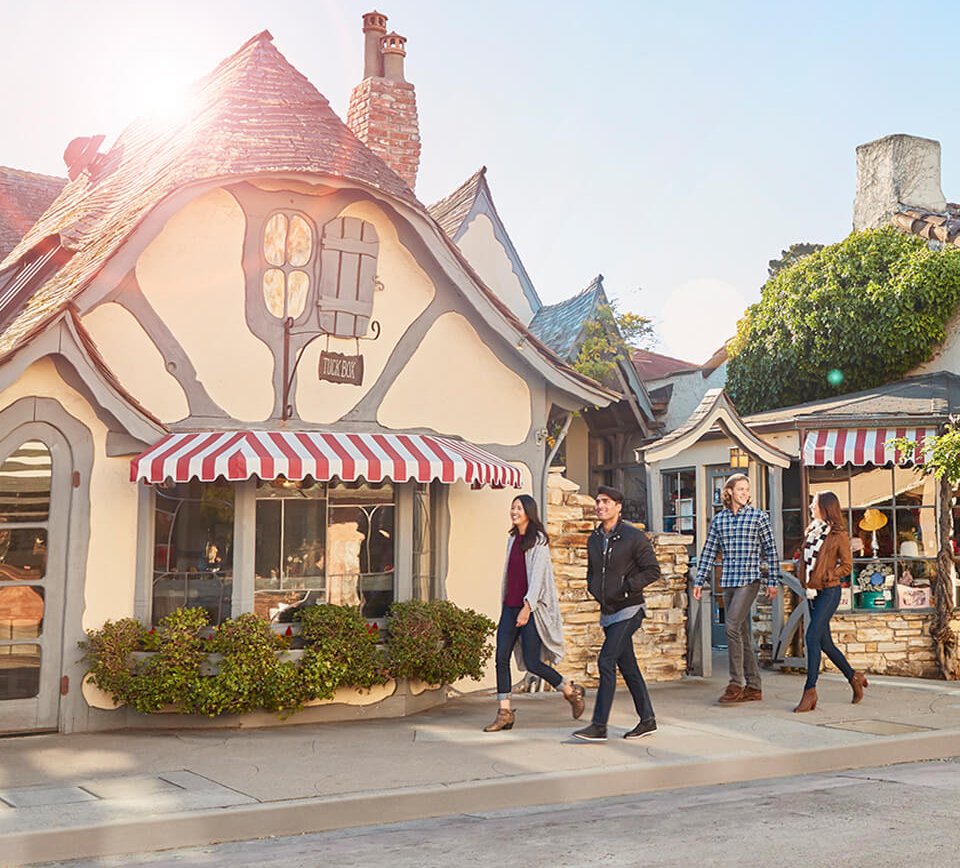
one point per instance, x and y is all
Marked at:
(905, 815)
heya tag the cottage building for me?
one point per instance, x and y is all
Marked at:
(242, 367)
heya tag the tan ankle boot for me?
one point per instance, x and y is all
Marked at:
(858, 683)
(808, 702)
(504, 721)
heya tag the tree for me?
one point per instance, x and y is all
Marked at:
(609, 336)
(850, 316)
(793, 254)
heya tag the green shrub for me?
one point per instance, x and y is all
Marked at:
(341, 650)
(437, 642)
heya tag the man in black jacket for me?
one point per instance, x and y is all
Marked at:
(620, 564)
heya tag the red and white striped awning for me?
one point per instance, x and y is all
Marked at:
(237, 455)
(860, 446)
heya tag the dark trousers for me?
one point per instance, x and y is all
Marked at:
(818, 636)
(530, 645)
(617, 653)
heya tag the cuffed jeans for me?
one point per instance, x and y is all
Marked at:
(531, 646)
(737, 603)
(818, 636)
(617, 653)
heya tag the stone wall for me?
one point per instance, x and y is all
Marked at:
(661, 644)
(888, 643)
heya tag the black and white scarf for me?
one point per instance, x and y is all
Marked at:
(816, 534)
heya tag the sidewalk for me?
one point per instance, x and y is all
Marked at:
(65, 797)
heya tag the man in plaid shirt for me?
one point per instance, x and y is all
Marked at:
(744, 536)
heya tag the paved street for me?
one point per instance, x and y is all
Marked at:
(893, 816)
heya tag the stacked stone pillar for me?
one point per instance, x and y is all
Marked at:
(661, 644)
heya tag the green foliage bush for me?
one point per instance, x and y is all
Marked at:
(871, 307)
(235, 668)
(437, 642)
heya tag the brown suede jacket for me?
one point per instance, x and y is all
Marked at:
(834, 562)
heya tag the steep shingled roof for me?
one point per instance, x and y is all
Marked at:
(24, 196)
(560, 326)
(254, 113)
(452, 210)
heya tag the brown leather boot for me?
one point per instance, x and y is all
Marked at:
(504, 721)
(858, 683)
(751, 694)
(576, 700)
(808, 702)
(732, 694)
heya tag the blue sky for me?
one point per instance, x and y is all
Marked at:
(674, 148)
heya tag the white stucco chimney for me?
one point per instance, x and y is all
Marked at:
(893, 172)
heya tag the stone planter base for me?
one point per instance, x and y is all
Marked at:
(395, 699)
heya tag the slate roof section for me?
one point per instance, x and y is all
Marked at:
(253, 114)
(928, 397)
(451, 211)
(942, 227)
(24, 196)
(560, 326)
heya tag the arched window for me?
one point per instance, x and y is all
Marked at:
(288, 249)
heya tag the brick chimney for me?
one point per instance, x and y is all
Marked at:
(383, 107)
(893, 172)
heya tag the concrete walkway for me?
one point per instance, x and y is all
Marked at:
(89, 795)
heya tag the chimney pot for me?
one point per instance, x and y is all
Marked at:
(393, 49)
(894, 172)
(374, 28)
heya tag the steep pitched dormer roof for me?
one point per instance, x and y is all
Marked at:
(254, 113)
(561, 326)
(455, 212)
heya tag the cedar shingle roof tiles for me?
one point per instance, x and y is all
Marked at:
(452, 210)
(561, 325)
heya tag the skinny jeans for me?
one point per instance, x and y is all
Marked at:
(530, 645)
(617, 653)
(818, 636)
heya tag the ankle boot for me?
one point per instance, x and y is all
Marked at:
(858, 683)
(504, 721)
(808, 702)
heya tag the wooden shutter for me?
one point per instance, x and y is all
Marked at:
(348, 269)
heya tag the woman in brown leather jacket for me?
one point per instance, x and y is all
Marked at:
(826, 559)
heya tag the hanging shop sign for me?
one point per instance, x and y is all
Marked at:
(340, 368)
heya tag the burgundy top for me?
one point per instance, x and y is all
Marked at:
(516, 575)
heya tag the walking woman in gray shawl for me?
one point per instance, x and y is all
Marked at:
(530, 625)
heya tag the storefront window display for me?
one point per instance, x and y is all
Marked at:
(892, 516)
(314, 543)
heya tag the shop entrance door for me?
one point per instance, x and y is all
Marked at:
(716, 477)
(34, 496)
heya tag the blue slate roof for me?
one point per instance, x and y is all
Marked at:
(560, 326)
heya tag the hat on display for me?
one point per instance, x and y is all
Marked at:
(872, 520)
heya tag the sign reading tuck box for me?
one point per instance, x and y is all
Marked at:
(338, 368)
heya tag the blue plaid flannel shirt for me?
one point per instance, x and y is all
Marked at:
(741, 536)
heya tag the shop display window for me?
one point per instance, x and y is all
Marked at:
(193, 549)
(891, 513)
(324, 543)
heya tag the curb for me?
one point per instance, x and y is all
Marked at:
(377, 807)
